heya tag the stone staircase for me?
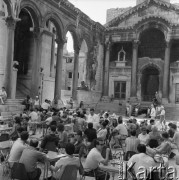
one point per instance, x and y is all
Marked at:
(11, 107)
(113, 107)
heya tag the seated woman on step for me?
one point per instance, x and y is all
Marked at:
(3, 95)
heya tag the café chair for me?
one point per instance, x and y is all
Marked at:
(128, 155)
(68, 172)
(18, 171)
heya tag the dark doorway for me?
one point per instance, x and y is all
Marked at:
(24, 52)
(149, 83)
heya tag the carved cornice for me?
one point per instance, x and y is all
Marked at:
(144, 5)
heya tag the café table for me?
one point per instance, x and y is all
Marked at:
(5, 129)
(5, 145)
(51, 157)
(112, 167)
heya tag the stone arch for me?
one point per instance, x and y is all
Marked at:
(9, 10)
(159, 23)
(33, 11)
(57, 22)
(145, 66)
(76, 37)
(87, 38)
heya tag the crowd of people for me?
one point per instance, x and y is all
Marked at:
(88, 135)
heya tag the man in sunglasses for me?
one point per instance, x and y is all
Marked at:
(93, 159)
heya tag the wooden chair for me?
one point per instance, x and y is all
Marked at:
(18, 171)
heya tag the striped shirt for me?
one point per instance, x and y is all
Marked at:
(132, 143)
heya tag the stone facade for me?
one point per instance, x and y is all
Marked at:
(34, 34)
(148, 34)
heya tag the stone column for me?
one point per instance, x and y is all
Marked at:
(52, 56)
(165, 92)
(106, 69)
(58, 75)
(14, 83)
(134, 69)
(36, 62)
(11, 23)
(75, 73)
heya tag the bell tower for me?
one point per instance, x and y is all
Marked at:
(141, 1)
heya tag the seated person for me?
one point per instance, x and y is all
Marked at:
(69, 160)
(94, 158)
(120, 132)
(141, 160)
(30, 156)
(90, 133)
(143, 137)
(80, 147)
(175, 138)
(50, 141)
(149, 127)
(3, 95)
(154, 134)
(170, 131)
(18, 147)
(102, 131)
(63, 137)
(163, 149)
(132, 142)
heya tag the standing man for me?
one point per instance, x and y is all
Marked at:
(93, 118)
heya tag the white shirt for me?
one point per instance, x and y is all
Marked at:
(102, 133)
(143, 138)
(93, 159)
(121, 128)
(93, 119)
(34, 116)
(141, 160)
(16, 150)
(153, 112)
(45, 105)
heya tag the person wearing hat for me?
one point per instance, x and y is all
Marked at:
(36, 103)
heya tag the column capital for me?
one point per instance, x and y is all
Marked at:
(135, 43)
(77, 48)
(168, 44)
(37, 31)
(11, 22)
(60, 41)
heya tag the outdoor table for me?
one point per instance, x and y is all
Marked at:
(5, 145)
(5, 129)
(51, 157)
(112, 167)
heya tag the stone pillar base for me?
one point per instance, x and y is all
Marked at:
(164, 100)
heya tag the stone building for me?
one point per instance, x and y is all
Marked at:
(131, 57)
(33, 35)
(142, 53)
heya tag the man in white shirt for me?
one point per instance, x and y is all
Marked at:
(93, 118)
(94, 158)
(18, 147)
(141, 163)
(102, 132)
(152, 112)
(45, 105)
(144, 137)
(33, 115)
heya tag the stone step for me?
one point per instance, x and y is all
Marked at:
(11, 108)
(113, 107)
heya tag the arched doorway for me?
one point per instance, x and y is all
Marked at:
(149, 83)
(24, 52)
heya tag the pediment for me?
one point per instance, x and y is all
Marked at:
(149, 9)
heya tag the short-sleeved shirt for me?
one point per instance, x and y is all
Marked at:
(121, 128)
(102, 133)
(16, 150)
(66, 161)
(93, 159)
(144, 138)
(132, 143)
(30, 156)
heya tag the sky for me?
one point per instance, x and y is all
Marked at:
(96, 10)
